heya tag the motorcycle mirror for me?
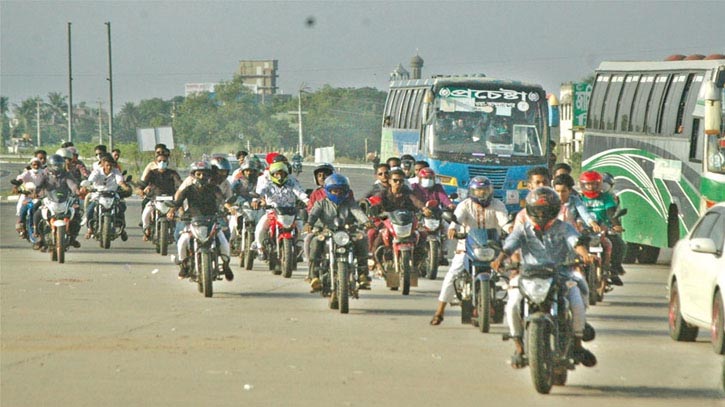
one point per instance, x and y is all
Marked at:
(16, 182)
(432, 204)
(453, 196)
(449, 217)
(124, 172)
(339, 223)
(383, 215)
(85, 183)
(620, 213)
(129, 178)
(308, 191)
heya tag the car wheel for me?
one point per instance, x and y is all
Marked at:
(717, 332)
(679, 329)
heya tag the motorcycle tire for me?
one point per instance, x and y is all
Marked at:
(288, 257)
(600, 284)
(433, 259)
(60, 243)
(29, 229)
(343, 287)
(541, 356)
(560, 376)
(106, 226)
(163, 244)
(466, 311)
(248, 253)
(483, 306)
(205, 276)
(405, 270)
(50, 243)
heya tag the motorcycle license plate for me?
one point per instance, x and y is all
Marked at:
(596, 249)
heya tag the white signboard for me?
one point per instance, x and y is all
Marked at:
(148, 138)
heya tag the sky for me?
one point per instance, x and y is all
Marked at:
(158, 46)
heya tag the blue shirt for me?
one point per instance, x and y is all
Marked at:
(556, 244)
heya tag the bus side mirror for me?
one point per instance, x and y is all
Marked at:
(713, 108)
(553, 111)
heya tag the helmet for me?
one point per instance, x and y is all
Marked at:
(72, 150)
(542, 205)
(337, 181)
(200, 166)
(270, 157)
(64, 153)
(590, 183)
(279, 158)
(220, 164)
(326, 167)
(255, 162)
(426, 173)
(56, 164)
(607, 182)
(277, 168)
(247, 165)
(480, 190)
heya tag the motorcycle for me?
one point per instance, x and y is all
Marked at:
(30, 204)
(431, 229)
(105, 220)
(338, 266)
(395, 255)
(163, 230)
(204, 253)
(478, 286)
(246, 221)
(296, 165)
(549, 339)
(280, 243)
(595, 274)
(59, 207)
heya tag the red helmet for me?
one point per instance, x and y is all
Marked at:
(590, 183)
(270, 157)
(426, 173)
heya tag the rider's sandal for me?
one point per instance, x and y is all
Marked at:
(437, 319)
(518, 361)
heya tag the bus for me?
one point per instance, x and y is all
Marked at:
(656, 127)
(467, 126)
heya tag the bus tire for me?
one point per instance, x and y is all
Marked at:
(648, 254)
(673, 226)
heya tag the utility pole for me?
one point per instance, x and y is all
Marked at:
(299, 118)
(110, 90)
(37, 119)
(70, 89)
(100, 122)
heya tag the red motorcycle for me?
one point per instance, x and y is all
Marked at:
(280, 243)
(400, 237)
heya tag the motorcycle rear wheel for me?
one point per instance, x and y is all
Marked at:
(541, 362)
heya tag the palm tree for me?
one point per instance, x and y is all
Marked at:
(25, 113)
(57, 107)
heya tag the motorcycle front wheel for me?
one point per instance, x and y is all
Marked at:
(540, 354)
(343, 287)
(163, 245)
(405, 270)
(433, 260)
(288, 257)
(205, 275)
(484, 306)
(60, 243)
(247, 252)
(106, 225)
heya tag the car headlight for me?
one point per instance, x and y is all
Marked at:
(341, 238)
(536, 288)
(484, 253)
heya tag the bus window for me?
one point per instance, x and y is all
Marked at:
(679, 127)
(668, 116)
(624, 112)
(654, 105)
(639, 112)
(594, 118)
(611, 102)
(696, 139)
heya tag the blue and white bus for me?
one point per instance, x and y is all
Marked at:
(468, 126)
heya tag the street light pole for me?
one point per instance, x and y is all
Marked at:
(37, 119)
(110, 91)
(299, 117)
(70, 89)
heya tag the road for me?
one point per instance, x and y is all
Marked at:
(117, 328)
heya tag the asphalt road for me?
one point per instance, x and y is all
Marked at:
(117, 328)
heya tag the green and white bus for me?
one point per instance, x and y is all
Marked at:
(656, 126)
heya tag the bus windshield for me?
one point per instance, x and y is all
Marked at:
(497, 122)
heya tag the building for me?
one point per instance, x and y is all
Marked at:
(259, 75)
(573, 105)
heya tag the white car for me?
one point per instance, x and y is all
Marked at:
(697, 281)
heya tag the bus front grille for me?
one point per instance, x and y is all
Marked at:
(497, 175)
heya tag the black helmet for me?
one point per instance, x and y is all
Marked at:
(325, 167)
(56, 164)
(542, 205)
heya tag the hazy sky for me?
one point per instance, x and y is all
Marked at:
(160, 45)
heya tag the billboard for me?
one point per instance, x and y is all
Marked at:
(580, 98)
(149, 137)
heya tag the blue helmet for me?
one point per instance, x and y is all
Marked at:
(337, 181)
(480, 190)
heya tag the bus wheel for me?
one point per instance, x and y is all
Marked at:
(648, 254)
(673, 226)
(631, 253)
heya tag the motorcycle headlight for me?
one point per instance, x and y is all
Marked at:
(595, 241)
(200, 232)
(105, 202)
(58, 207)
(341, 238)
(286, 220)
(431, 224)
(536, 288)
(161, 207)
(484, 253)
(403, 230)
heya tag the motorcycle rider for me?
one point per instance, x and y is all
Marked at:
(282, 191)
(243, 189)
(479, 210)
(203, 198)
(160, 181)
(109, 176)
(56, 178)
(407, 163)
(78, 168)
(337, 203)
(427, 189)
(320, 173)
(603, 206)
(382, 180)
(36, 175)
(544, 239)
(573, 209)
